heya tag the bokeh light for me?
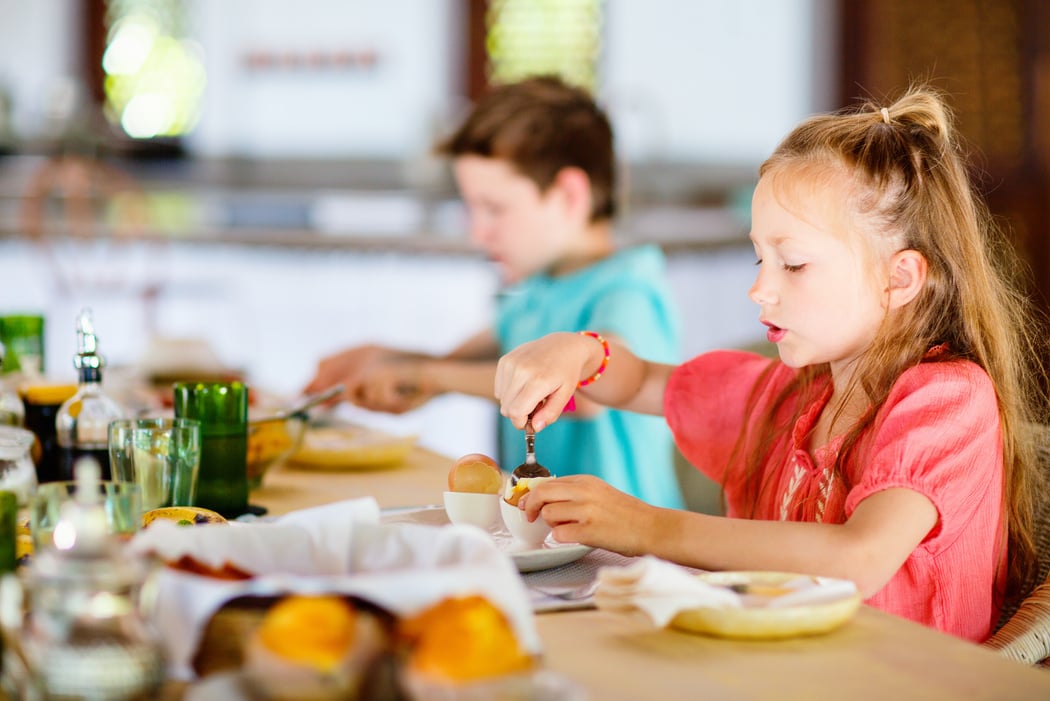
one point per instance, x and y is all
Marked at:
(531, 37)
(154, 76)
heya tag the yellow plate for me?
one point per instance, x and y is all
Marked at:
(758, 620)
(350, 447)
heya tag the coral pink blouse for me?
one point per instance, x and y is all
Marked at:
(937, 434)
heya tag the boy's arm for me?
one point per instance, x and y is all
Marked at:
(409, 379)
(481, 346)
(467, 369)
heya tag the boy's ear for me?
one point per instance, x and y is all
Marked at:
(575, 187)
(907, 277)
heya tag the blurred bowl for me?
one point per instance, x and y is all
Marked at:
(271, 440)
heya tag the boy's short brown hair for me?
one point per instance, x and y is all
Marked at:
(541, 125)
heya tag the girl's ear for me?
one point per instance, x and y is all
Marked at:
(575, 187)
(907, 276)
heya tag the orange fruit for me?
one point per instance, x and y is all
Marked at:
(316, 631)
(463, 639)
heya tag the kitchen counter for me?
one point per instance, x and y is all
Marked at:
(364, 206)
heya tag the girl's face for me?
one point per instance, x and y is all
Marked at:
(523, 230)
(820, 299)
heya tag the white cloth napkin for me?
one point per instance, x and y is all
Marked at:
(338, 548)
(661, 590)
(310, 542)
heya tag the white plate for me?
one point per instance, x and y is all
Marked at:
(552, 554)
(350, 448)
(829, 604)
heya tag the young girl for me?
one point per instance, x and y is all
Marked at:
(535, 164)
(891, 443)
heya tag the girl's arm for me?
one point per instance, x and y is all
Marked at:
(547, 371)
(868, 549)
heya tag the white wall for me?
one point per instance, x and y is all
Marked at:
(713, 80)
(685, 80)
(385, 111)
(38, 46)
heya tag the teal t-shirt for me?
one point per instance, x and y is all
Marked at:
(626, 295)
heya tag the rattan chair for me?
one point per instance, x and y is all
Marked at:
(1024, 634)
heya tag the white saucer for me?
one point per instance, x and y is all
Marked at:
(552, 554)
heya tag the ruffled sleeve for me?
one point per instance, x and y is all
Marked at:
(939, 434)
(706, 404)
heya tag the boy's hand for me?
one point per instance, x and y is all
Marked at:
(393, 386)
(348, 367)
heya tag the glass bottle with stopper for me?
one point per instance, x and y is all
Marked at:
(82, 422)
(85, 635)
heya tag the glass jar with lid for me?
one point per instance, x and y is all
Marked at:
(85, 635)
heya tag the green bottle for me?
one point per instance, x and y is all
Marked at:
(8, 534)
(8, 530)
(222, 409)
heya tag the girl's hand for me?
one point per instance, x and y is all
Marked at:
(540, 376)
(585, 509)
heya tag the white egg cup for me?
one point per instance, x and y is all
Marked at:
(531, 534)
(481, 510)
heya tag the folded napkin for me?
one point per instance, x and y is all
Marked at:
(339, 548)
(310, 542)
(661, 590)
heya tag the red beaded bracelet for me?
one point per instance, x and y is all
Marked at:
(605, 359)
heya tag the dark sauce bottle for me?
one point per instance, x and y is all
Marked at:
(82, 422)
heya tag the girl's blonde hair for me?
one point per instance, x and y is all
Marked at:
(909, 186)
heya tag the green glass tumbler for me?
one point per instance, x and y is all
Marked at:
(222, 409)
(23, 336)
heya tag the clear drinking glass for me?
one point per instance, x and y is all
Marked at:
(122, 501)
(222, 409)
(160, 455)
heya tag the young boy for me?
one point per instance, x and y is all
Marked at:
(536, 168)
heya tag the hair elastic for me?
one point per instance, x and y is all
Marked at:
(885, 115)
(605, 359)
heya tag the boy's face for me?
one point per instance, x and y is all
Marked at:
(820, 299)
(523, 230)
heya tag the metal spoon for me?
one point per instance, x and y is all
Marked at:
(530, 468)
(572, 593)
(300, 409)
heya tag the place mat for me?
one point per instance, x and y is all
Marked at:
(350, 447)
(571, 577)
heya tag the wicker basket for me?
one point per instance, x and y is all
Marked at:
(227, 633)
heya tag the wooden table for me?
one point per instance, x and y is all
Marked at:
(874, 656)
